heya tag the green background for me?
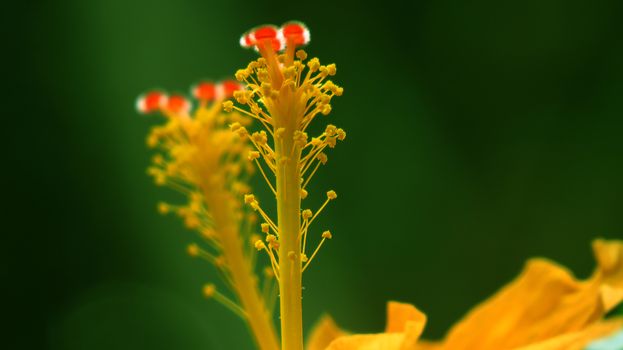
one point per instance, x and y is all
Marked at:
(480, 133)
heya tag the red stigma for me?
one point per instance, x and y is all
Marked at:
(295, 33)
(266, 32)
(204, 91)
(261, 36)
(150, 102)
(178, 104)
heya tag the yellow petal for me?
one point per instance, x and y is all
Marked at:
(578, 340)
(405, 324)
(381, 341)
(609, 256)
(323, 333)
(544, 302)
(399, 314)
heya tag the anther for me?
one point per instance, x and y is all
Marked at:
(274, 245)
(330, 130)
(329, 85)
(300, 138)
(260, 137)
(301, 55)
(326, 109)
(327, 234)
(254, 237)
(303, 193)
(163, 208)
(191, 222)
(266, 88)
(341, 134)
(208, 233)
(255, 109)
(192, 250)
(209, 290)
(241, 74)
(253, 155)
(268, 272)
(322, 157)
(160, 179)
(219, 261)
(255, 205)
(228, 106)
(313, 64)
(241, 96)
(259, 245)
(331, 69)
(331, 141)
(289, 72)
(249, 198)
(331, 195)
(262, 75)
(242, 132)
(306, 214)
(265, 227)
(234, 126)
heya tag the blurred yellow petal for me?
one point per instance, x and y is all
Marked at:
(381, 341)
(323, 333)
(400, 314)
(609, 256)
(544, 302)
(404, 326)
(578, 340)
(544, 308)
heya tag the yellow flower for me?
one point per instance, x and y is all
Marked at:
(544, 308)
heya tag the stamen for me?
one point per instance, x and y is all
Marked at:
(196, 252)
(209, 291)
(255, 205)
(259, 245)
(325, 235)
(265, 177)
(331, 195)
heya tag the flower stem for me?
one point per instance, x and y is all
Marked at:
(288, 211)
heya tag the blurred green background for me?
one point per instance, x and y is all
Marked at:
(480, 133)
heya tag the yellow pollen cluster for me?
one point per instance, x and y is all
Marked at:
(201, 158)
(199, 153)
(285, 93)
